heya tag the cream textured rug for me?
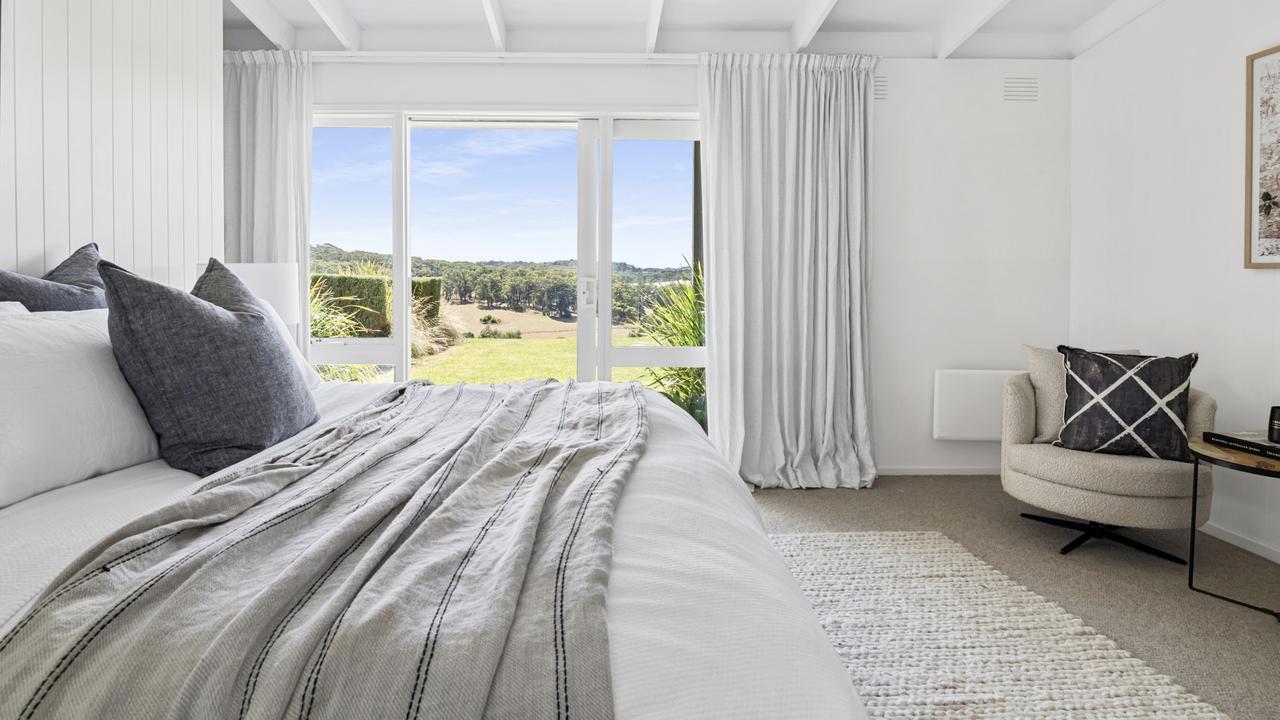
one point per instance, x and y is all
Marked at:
(927, 630)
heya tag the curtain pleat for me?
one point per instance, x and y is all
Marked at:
(267, 145)
(786, 144)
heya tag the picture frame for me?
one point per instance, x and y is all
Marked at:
(1262, 160)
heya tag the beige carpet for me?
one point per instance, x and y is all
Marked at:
(930, 632)
(1228, 656)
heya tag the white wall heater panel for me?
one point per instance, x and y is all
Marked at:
(967, 403)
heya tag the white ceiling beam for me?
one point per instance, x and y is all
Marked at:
(264, 16)
(497, 26)
(339, 21)
(1106, 22)
(964, 21)
(651, 27)
(812, 14)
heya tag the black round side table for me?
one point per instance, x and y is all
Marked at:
(1202, 451)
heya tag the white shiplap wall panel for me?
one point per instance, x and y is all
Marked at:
(159, 66)
(187, 82)
(142, 170)
(57, 154)
(28, 166)
(8, 186)
(111, 131)
(101, 119)
(80, 63)
(215, 193)
(122, 131)
(204, 87)
(174, 254)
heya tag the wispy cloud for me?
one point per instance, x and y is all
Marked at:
(349, 171)
(511, 142)
(643, 221)
(474, 197)
(458, 157)
(437, 170)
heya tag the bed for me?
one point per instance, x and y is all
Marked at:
(704, 620)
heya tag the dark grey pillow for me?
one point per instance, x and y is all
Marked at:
(210, 369)
(73, 285)
(1127, 404)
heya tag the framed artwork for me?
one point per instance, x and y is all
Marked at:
(1262, 161)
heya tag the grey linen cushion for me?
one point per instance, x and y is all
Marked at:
(216, 379)
(73, 285)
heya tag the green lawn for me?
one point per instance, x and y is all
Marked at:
(476, 360)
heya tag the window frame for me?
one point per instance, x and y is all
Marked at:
(393, 350)
(597, 355)
(608, 355)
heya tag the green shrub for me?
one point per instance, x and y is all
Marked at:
(427, 289)
(433, 331)
(368, 296)
(489, 332)
(675, 318)
(349, 373)
(331, 317)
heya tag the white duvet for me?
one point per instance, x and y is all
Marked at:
(705, 621)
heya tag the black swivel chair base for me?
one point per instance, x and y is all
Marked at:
(1094, 530)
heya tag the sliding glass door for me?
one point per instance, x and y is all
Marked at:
(500, 250)
(493, 236)
(647, 255)
(355, 265)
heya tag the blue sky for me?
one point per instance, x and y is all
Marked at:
(498, 194)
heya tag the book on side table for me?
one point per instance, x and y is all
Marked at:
(1250, 442)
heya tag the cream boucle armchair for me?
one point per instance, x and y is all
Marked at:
(1106, 492)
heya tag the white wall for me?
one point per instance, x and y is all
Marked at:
(1158, 220)
(111, 132)
(518, 86)
(969, 245)
(970, 249)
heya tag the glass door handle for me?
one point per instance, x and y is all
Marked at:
(586, 292)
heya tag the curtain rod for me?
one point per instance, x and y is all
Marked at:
(531, 58)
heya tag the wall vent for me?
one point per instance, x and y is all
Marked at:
(1021, 89)
(882, 87)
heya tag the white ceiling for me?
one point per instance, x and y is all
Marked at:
(889, 16)
(440, 13)
(232, 17)
(1045, 16)
(574, 14)
(895, 28)
(730, 15)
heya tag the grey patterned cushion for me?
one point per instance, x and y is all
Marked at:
(73, 285)
(216, 379)
(1127, 404)
(1049, 379)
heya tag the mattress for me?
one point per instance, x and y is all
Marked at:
(44, 533)
(704, 618)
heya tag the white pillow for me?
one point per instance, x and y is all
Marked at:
(8, 308)
(308, 371)
(66, 412)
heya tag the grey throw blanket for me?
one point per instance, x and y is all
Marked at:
(443, 553)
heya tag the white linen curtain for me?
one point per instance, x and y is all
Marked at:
(786, 143)
(267, 141)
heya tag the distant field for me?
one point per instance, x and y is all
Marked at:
(531, 324)
(476, 360)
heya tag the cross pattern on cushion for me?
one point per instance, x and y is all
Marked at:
(1162, 403)
(1126, 404)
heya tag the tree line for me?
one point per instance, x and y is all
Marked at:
(546, 287)
(551, 291)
